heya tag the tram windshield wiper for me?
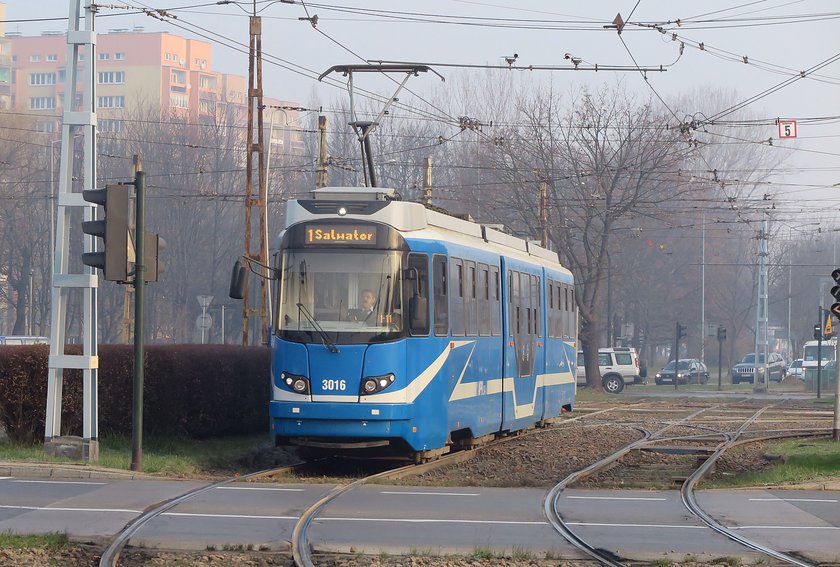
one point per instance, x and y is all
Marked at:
(324, 338)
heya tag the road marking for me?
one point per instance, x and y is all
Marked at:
(49, 509)
(431, 493)
(259, 488)
(433, 521)
(230, 516)
(59, 482)
(793, 500)
(784, 527)
(6, 477)
(615, 498)
(666, 526)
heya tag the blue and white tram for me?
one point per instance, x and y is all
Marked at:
(471, 333)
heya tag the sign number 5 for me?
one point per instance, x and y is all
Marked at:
(787, 128)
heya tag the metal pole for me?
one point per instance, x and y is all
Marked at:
(139, 289)
(819, 350)
(321, 171)
(703, 292)
(676, 355)
(31, 322)
(427, 182)
(835, 426)
(223, 325)
(720, 360)
(203, 319)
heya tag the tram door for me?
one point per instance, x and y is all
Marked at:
(524, 352)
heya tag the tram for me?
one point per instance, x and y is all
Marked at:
(402, 330)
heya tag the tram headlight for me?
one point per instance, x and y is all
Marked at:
(298, 384)
(374, 384)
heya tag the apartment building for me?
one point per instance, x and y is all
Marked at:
(136, 71)
(5, 63)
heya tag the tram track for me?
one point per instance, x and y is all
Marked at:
(728, 440)
(693, 428)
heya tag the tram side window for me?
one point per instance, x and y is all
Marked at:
(471, 299)
(536, 303)
(417, 294)
(484, 301)
(495, 305)
(551, 314)
(441, 298)
(456, 290)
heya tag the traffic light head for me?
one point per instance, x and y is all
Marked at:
(817, 332)
(113, 255)
(681, 331)
(835, 293)
(721, 333)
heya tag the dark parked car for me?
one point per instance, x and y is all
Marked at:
(690, 370)
(744, 371)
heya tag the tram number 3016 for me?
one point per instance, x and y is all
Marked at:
(334, 385)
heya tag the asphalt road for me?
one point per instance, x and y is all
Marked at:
(379, 518)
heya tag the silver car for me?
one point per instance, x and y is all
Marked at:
(795, 369)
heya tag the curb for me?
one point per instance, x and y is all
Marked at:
(69, 471)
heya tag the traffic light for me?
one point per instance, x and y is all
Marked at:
(681, 331)
(817, 332)
(721, 334)
(154, 244)
(112, 256)
(835, 293)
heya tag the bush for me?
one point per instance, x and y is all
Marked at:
(189, 390)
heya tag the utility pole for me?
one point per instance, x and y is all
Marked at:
(321, 170)
(761, 312)
(255, 146)
(125, 334)
(544, 210)
(427, 182)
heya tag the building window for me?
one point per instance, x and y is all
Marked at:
(52, 57)
(119, 55)
(81, 56)
(178, 101)
(111, 77)
(41, 102)
(14, 58)
(111, 126)
(111, 102)
(41, 79)
(62, 75)
(104, 56)
(47, 127)
(34, 58)
(179, 77)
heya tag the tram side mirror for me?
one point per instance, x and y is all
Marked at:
(418, 313)
(237, 281)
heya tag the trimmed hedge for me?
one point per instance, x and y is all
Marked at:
(189, 390)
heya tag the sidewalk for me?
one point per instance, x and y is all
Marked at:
(67, 471)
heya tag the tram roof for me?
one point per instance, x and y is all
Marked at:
(381, 204)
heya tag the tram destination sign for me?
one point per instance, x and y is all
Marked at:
(339, 234)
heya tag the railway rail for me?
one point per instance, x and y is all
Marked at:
(729, 439)
(700, 428)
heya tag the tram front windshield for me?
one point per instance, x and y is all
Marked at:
(342, 296)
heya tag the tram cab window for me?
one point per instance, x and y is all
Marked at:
(324, 289)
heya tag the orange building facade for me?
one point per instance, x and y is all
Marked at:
(136, 71)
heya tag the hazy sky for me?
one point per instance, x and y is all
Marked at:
(779, 38)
